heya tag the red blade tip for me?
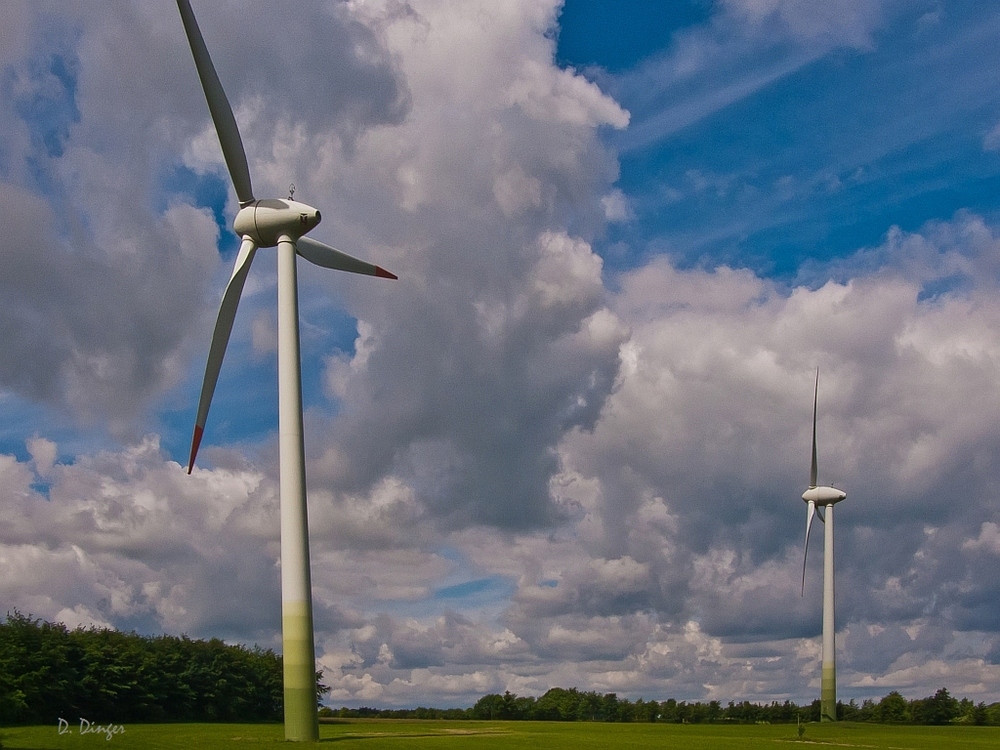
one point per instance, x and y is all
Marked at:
(383, 274)
(195, 442)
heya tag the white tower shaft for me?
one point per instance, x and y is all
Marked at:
(297, 640)
(828, 686)
(266, 223)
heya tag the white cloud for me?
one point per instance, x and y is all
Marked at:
(567, 272)
(43, 454)
(843, 21)
(529, 474)
(991, 141)
(616, 207)
(546, 93)
(988, 539)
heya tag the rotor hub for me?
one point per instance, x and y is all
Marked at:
(266, 221)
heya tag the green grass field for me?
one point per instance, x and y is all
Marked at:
(359, 734)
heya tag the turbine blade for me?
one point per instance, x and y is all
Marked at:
(814, 470)
(218, 105)
(805, 553)
(220, 339)
(323, 255)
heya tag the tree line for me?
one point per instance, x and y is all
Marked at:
(560, 704)
(48, 671)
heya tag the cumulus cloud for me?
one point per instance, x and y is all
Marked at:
(988, 539)
(674, 563)
(704, 416)
(129, 538)
(526, 472)
(465, 372)
(105, 282)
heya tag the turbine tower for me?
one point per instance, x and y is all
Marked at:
(283, 224)
(826, 498)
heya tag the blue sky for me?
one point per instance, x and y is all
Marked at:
(567, 446)
(813, 163)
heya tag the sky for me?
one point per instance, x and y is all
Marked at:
(567, 447)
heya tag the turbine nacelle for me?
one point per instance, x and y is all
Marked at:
(266, 221)
(823, 496)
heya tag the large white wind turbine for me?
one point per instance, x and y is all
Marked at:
(826, 498)
(282, 223)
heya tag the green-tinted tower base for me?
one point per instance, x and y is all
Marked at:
(301, 720)
(828, 694)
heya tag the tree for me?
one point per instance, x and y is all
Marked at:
(815, 710)
(508, 705)
(610, 707)
(893, 709)
(868, 710)
(488, 707)
(590, 706)
(940, 708)
(714, 712)
(37, 666)
(646, 710)
(668, 710)
(848, 711)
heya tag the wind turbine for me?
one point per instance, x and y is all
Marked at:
(283, 224)
(826, 498)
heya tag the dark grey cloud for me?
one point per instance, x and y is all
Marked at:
(323, 70)
(85, 324)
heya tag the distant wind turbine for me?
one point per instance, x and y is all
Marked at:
(283, 223)
(826, 498)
